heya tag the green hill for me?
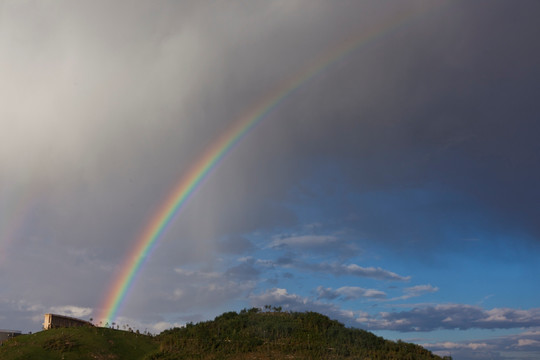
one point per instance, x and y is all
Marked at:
(79, 343)
(253, 334)
(250, 334)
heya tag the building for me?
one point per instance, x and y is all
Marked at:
(8, 334)
(58, 321)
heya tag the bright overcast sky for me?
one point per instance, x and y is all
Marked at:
(396, 191)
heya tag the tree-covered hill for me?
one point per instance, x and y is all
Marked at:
(250, 334)
(81, 343)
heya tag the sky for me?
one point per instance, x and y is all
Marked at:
(395, 189)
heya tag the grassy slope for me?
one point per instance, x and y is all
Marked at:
(78, 343)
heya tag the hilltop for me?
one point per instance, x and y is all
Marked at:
(250, 334)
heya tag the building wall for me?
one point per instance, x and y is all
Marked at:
(57, 321)
(8, 334)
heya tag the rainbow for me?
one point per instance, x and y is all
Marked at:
(200, 169)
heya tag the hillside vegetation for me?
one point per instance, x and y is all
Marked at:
(253, 334)
(85, 343)
(250, 334)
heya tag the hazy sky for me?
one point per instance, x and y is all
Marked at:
(396, 191)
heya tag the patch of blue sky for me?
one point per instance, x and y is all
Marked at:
(437, 237)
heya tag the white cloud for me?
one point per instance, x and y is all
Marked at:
(421, 289)
(339, 269)
(193, 289)
(533, 332)
(74, 311)
(453, 316)
(428, 318)
(524, 345)
(528, 342)
(349, 293)
(455, 345)
(305, 241)
(164, 325)
(294, 302)
(416, 291)
(337, 243)
(125, 323)
(356, 270)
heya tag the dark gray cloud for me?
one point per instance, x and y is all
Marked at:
(235, 245)
(460, 119)
(431, 105)
(244, 271)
